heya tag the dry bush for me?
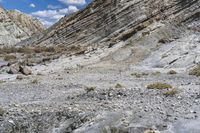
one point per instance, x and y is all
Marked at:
(157, 73)
(90, 88)
(10, 57)
(35, 81)
(172, 72)
(118, 85)
(195, 71)
(171, 92)
(139, 75)
(159, 86)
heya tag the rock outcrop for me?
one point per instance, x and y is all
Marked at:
(29, 24)
(16, 26)
(137, 27)
(110, 21)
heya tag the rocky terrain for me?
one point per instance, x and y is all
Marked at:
(118, 66)
(16, 26)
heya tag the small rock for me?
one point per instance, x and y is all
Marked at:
(2, 111)
(149, 131)
(25, 70)
(19, 77)
(14, 69)
(11, 121)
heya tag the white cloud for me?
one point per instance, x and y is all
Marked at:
(53, 6)
(46, 23)
(48, 17)
(32, 5)
(69, 10)
(44, 13)
(73, 2)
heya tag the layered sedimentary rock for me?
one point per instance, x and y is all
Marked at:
(111, 21)
(29, 24)
(16, 26)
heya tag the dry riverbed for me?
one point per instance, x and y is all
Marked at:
(101, 99)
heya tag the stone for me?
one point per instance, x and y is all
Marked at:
(197, 60)
(19, 77)
(2, 111)
(25, 70)
(14, 69)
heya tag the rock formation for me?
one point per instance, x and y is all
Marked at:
(128, 67)
(110, 21)
(16, 26)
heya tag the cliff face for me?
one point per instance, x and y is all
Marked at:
(118, 20)
(16, 26)
(25, 22)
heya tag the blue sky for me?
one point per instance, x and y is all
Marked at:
(47, 11)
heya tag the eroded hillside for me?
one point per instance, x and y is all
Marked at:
(16, 26)
(117, 66)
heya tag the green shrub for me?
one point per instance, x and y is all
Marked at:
(35, 81)
(1, 81)
(10, 57)
(91, 88)
(159, 86)
(171, 92)
(195, 71)
(118, 85)
(139, 75)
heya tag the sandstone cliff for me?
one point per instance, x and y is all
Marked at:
(16, 26)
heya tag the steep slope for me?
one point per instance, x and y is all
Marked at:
(25, 22)
(128, 31)
(117, 20)
(16, 26)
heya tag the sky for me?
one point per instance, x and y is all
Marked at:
(47, 11)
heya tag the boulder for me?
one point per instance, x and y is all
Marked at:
(14, 69)
(25, 70)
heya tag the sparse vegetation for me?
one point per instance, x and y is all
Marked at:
(157, 73)
(164, 40)
(195, 71)
(35, 81)
(159, 86)
(172, 72)
(171, 92)
(113, 130)
(10, 57)
(27, 50)
(139, 75)
(1, 81)
(118, 85)
(91, 88)
(42, 49)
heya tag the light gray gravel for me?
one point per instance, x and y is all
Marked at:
(131, 108)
